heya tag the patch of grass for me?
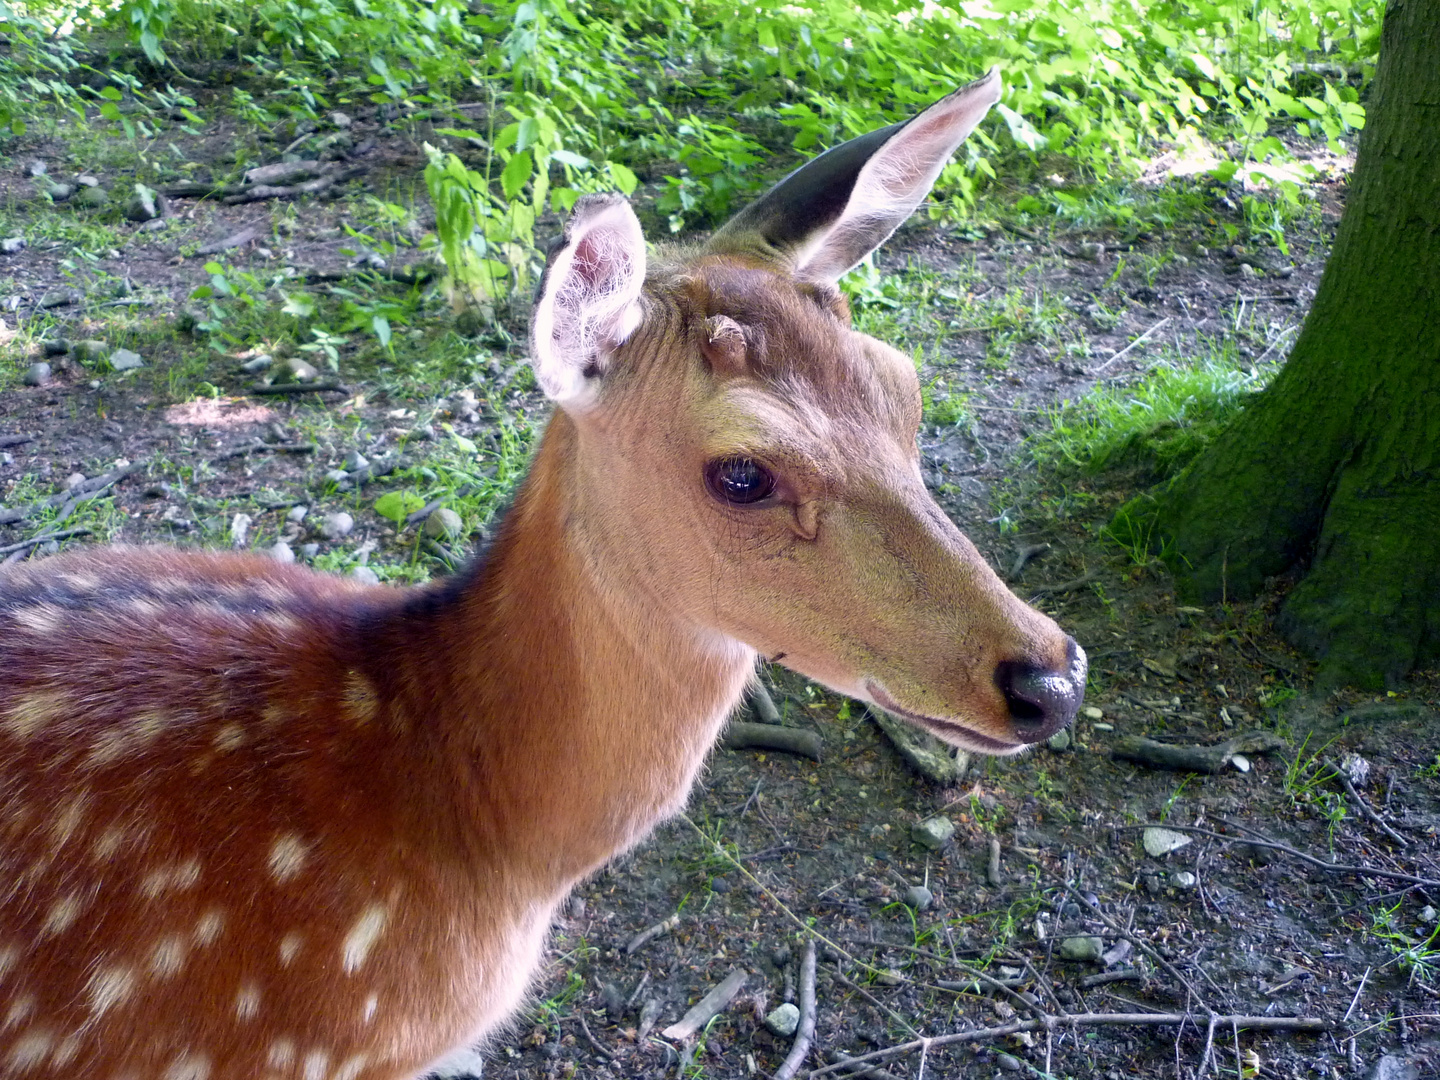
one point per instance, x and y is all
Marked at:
(1158, 423)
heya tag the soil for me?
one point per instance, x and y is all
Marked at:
(773, 844)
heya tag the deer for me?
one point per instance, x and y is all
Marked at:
(262, 822)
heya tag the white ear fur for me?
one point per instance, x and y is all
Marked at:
(589, 299)
(896, 179)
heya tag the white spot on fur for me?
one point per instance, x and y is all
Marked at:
(109, 842)
(9, 957)
(208, 927)
(40, 618)
(31, 712)
(290, 947)
(287, 857)
(109, 987)
(19, 1010)
(176, 877)
(65, 1052)
(351, 1067)
(317, 1064)
(62, 913)
(247, 1002)
(30, 1049)
(282, 1054)
(368, 1012)
(189, 1066)
(362, 937)
(66, 823)
(168, 956)
(110, 745)
(230, 737)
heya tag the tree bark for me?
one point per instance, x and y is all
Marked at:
(1334, 471)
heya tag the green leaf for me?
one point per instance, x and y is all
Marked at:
(516, 173)
(111, 94)
(381, 326)
(301, 305)
(111, 111)
(624, 179)
(398, 505)
(460, 440)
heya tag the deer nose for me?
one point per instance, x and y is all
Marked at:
(1042, 699)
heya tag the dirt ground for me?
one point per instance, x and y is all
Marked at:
(1293, 895)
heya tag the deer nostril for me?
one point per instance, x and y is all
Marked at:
(1042, 700)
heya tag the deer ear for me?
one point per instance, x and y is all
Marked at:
(589, 298)
(829, 214)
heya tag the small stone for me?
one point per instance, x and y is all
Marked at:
(1184, 879)
(1427, 915)
(1201, 251)
(38, 374)
(366, 575)
(576, 906)
(355, 460)
(56, 346)
(444, 524)
(74, 480)
(1103, 727)
(1357, 769)
(1082, 948)
(61, 298)
(296, 513)
(34, 167)
(258, 364)
(1160, 842)
(1008, 1063)
(783, 1020)
(337, 476)
(92, 198)
(125, 360)
(187, 320)
(340, 119)
(90, 351)
(919, 897)
(57, 192)
(1090, 712)
(86, 180)
(309, 551)
(337, 525)
(720, 884)
(239, 529)
(1060, 740)
(1093, 252)
(614, 1002)
(1247, 271)
(281, 552)
(890, 977)
(296, 370)
(1241, 762)
(933, 833)
(142, 205)
(1394, 1067)
(11, 244)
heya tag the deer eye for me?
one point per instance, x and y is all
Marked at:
(738, 480)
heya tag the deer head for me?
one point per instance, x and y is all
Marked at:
(747, 461)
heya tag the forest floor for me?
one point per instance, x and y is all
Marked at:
(1288, 899)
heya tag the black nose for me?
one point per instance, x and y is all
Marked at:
(1042, 699)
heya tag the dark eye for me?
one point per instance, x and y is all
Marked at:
(738, 480)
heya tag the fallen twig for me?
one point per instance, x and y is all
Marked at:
(36, 541)
(873, 1000)
(1065, 586)
(259, 447)
(805, 1033)
(244, 236)
(1023, 556)
(1363, 806)
(1104, 978)
(1306, 1024)
(650, 933)
(308, 187)
(363, 475)
(1197, 759)
(711, 1005)
(860, 1072)
(762, 703)
(742, 736)
(605, 1055)
(429, 508)
(1096, 371)
(924, 753)
(7, 441)
(86, 489)
(301, 388)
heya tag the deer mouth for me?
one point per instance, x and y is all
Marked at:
(944, 729)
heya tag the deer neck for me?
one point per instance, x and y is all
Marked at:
(592, 706)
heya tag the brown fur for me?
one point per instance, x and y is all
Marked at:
(256, 821)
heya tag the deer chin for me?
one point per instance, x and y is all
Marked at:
(949, 731)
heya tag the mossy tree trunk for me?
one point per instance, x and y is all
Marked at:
(1334, 471)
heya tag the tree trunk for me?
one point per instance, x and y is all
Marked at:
(1334, 471)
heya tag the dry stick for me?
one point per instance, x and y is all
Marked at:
(1142, 946)
(1089, 982)
(605, 1055)
(1023, 556)
(82, 491)
(763, 703)
(873, 1000)
(992, 868)
(649, 934)
(1127, 348)
(1259, 839)
(1196, 759)
(861, 1072)
(301, 388)
(36, 541)
(1363, 806)
(309, 187)
(1306, 1024)
(429, 508)
(709, 1006)
(244, 236)
(258, 447)
(806, 1031)
(740, 736)
(1065, 586)
(7, 441)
